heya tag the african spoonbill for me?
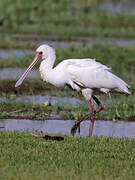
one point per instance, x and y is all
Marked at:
(85, 75)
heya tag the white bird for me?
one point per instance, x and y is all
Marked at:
(85, 75)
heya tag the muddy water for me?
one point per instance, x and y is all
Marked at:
(102, 128)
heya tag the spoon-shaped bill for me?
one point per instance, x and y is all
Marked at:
(19, 82)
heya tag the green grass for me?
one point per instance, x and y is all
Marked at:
(116, 108)
(30, 86)
(63, 19)
(23, 156)
(110, 55)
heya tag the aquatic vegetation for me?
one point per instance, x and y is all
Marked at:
(117, 108)
(4, 115)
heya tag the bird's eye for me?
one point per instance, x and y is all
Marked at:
(40, 52)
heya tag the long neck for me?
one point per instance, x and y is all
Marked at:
(46, 66)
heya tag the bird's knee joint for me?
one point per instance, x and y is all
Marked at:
(101, 106)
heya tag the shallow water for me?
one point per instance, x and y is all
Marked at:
(4, 53)
(90, 41)
(15, 73)
(61, 44)
(116, 7)
(102, 128)
(39, 99)
(53, 100)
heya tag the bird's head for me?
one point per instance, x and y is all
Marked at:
(42, 53)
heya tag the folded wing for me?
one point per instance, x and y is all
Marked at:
(91, 74)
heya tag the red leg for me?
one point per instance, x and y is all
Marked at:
(92, 118)
(89, 116)
(100, 106)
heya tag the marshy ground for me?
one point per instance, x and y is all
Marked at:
(103, 30)
(121, 59)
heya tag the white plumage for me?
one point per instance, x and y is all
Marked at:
(86, 75)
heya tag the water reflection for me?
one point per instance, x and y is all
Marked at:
(102, 128)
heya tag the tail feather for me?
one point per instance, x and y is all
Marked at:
(123, 86)
(124, 89)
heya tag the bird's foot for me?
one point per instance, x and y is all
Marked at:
(75, 127)
(77, 124)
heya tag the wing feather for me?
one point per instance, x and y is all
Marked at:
(82, 63)
(87, 63)
(90, 73)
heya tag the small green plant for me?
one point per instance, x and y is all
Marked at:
(4, 115)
